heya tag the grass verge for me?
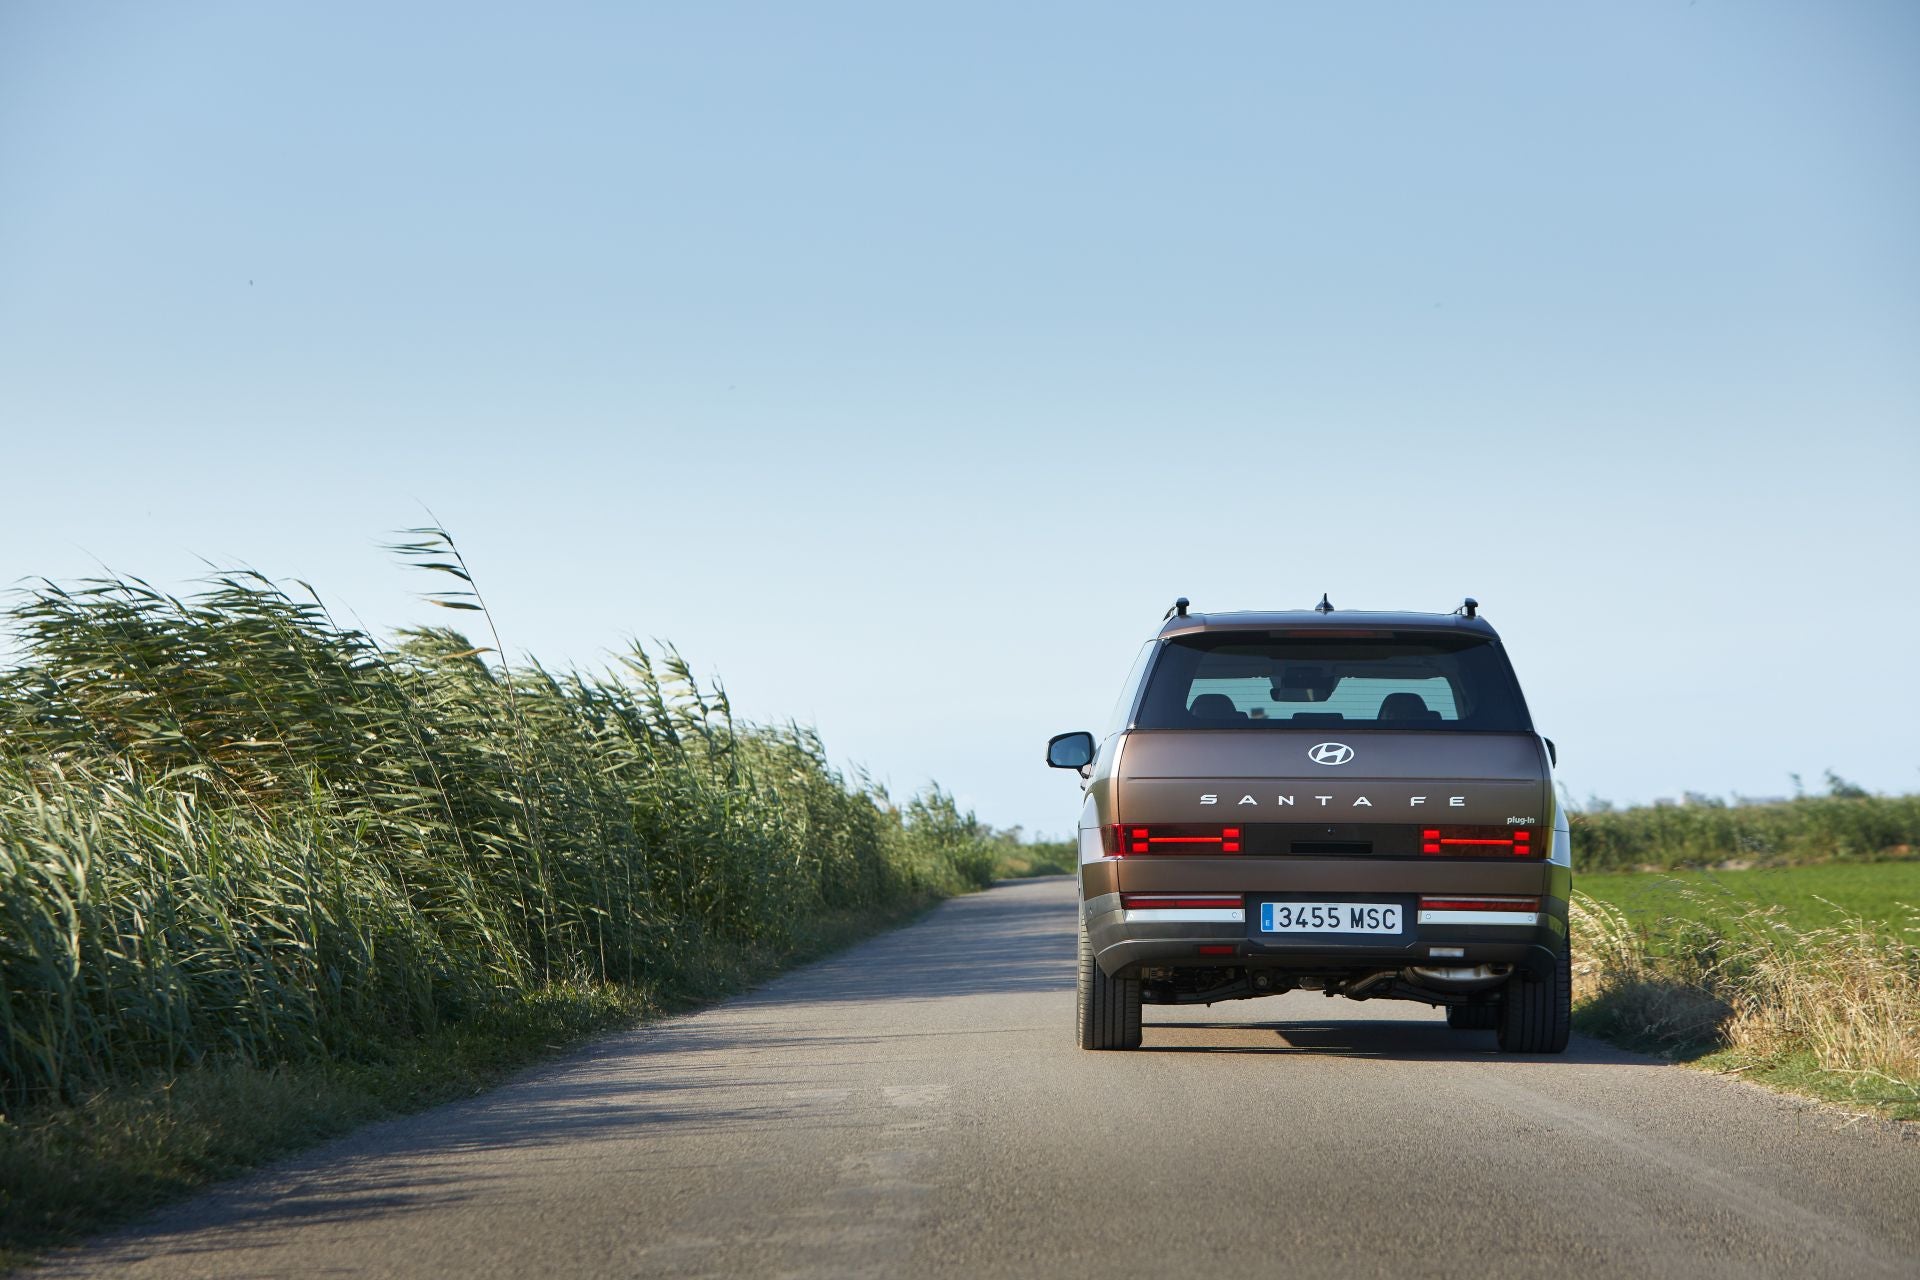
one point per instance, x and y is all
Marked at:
(72, 1170)
(1804, 995)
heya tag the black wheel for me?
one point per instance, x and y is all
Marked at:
(1108, 1008)
(1536, 1013)
(1473, 1017)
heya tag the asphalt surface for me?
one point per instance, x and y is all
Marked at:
(915, 1107)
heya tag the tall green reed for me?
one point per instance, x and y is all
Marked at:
(232, 828)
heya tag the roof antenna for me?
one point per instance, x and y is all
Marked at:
(1470, 607)
(1325, 606)
(1179, 607)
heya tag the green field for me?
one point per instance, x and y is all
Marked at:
(1814, 897)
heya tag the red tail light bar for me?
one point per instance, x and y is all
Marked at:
(1130, 839)
(1478, 842)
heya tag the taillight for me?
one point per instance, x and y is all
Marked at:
(1130, 839)
(1478, 842)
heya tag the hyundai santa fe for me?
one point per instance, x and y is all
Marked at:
(1351, 803)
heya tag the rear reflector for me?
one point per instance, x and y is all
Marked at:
(1479, 904)
(1133, 840)
(1217, 950)
(1477, 842)
(1199, 901)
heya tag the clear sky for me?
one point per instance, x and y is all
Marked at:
(901, 363)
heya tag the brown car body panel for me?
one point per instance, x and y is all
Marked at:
(1100, 878)
(1306, 875)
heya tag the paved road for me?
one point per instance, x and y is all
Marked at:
(887, 1113)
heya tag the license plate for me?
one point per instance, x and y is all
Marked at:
(1329, 917)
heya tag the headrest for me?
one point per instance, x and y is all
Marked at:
(1406, 706)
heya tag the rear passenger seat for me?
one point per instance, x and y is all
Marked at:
(1214, 707)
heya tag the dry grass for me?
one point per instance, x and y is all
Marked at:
(1833, 1011)
(1851, 996)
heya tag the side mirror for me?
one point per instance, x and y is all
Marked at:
(1070, 750)
(1552, 753)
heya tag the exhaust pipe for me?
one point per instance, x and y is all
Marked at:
(1360, 989)
(1474, 978)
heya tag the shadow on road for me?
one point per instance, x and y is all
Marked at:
(1411, 1040)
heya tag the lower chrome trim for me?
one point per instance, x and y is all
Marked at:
(1518, 919)
(1186, 915)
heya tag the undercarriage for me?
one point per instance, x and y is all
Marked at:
(1479, 984)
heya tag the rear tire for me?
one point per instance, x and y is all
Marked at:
(1473, 1017)
(1108, 1009)
(1537, 1016)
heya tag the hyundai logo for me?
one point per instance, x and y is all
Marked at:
(1330, 753)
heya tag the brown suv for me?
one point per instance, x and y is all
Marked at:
(1353, 803)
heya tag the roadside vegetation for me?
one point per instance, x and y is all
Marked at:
(1020, 859)
(1803, 978)
(1846, 824)
(263, 876)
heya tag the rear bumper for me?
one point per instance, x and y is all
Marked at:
(1122, 947)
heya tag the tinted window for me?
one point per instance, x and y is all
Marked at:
(1393, 680)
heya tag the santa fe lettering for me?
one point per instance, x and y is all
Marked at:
(1453, 802)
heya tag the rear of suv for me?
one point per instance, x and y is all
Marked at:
(1354, 803)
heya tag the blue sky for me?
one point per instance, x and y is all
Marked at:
(901, 365)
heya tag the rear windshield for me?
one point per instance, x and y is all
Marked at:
(1391, 680)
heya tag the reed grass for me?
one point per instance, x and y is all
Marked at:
(235, 831)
